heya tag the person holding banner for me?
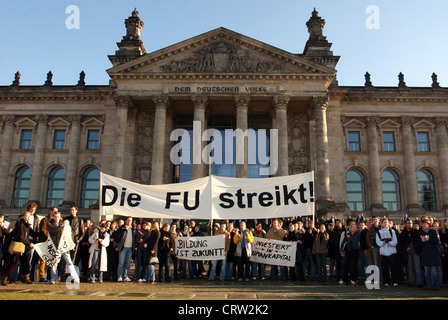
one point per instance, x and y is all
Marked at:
(243, 240)
(261, 267)
(276, 233)
(59, 230)
(183, 262)
(221, 230)
(166, 245)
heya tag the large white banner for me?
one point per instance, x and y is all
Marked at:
(210, 197)
(201, 248)
(274, 252)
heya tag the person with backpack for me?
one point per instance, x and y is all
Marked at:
(386, 240)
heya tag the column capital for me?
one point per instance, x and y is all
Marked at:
(441, 121)
(319, 102)
(372, 121)
(199, 101)
(42, 118)
(9, 119)
(281, 101)
(74, 118)
(161, 100)
(241, 101)
(123, 102)
(407, 120)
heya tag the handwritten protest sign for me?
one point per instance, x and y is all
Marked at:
(201, 248)
(274, 252)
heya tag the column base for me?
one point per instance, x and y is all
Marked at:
(415, 209)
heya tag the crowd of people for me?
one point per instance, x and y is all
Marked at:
(412, 252)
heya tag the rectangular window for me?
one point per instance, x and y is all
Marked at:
(59, 139)
(93, 139)
(25, 139)
(423, 142)
(388, 141)
(354, 141)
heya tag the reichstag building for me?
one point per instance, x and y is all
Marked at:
(374, 150)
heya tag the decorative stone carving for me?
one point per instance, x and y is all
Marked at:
(316, 26)
(299, 143)
(82, 77)
(435, 84)
(49, 81)
(368, 83)
(221, 57)
(123, 102)
(401, 82)
(143, 147)
(16, 81)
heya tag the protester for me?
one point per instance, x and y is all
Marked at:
(320, 251)
(173, 256)
(125, 244)
(112, 253)
(444, 256)
(184, 262)
(141, 264)
(231, 252)
(292, 236)
(165, 247)
(221, 230)
(429, 240)
(259, 269)
(56, 230)
(151, 246)
(349, 248)
(310, 259)
(276, 233)
(99, 241)
(21, 233)
(409, 252)
(386, 239)
(243, 240)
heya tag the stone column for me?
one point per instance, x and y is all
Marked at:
(280, 106)
(197, 165)
(38, 160)
(376, 190)
(8, 137)
(123, 104)
(409, 163)
(319, 105)
(242, 107)
(158, 146)
(442, 147)
(72, 163)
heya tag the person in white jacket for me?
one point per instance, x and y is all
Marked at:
(99, 241)
(386, 239)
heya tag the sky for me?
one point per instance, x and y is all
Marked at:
(382, 37)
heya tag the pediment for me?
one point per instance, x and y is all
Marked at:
(59, 122)
(220, 51)
(389, 124)
(424, 124)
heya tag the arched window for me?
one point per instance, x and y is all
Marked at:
(391, 190)
(55, 191)
(355, 190)
(89, 187)
(426, 190)
(21, 187)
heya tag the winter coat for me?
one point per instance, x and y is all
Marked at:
(387, 243)
(22, 232)
(333, 243)
(320, 244)
(102, 246)
(238, 239)
(166, 242)
(405, 240)
(152, 242)
(430, 253)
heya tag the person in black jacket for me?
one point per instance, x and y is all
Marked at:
(21, 233)
(308, 239)
(151, 245)
(409, 250)
(166, 245)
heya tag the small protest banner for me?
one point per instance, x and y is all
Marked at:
(274, 252)
(201, 248)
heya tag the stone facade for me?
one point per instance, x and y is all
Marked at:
(223, 75)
